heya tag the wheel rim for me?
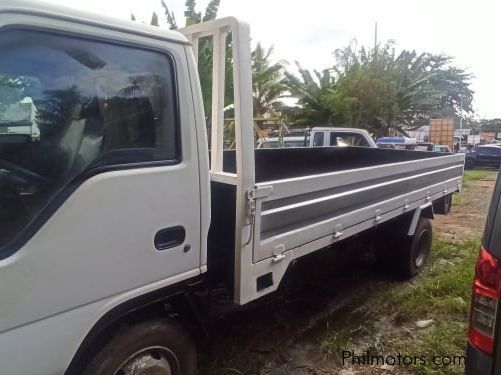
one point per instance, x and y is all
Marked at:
(155, 360)
(422, 249)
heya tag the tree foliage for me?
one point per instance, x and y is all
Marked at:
(13, 89)
(169, 16)
(154, 19)
(194, 17)
(268, 82)
(314, 92)
(379, 89)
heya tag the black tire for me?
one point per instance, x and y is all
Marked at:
(157, 342)
(443, 205)
(402, 255)
(469, 163)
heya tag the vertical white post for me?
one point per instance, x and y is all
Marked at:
(244, 288)
(244, 119)
(193, 39)
(244, 137)
(217, 123)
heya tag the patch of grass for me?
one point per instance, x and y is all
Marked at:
(444, 288)
(336, 341)
(476, 174)
(442, 293)
(456, 200)
(227, 358)
(441, 346)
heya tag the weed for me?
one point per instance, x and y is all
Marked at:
(476, 174)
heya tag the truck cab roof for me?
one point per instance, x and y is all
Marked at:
(334, 129)
(37, 8)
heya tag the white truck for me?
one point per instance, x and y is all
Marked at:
(18, 121)
(115, 224)
(321, 137)
(340, 137)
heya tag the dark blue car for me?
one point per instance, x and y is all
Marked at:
(484, 156)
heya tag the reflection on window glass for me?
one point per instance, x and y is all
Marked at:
(346, 139)
(68, 105)
(318, 139)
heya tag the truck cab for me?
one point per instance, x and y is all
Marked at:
(119, 175)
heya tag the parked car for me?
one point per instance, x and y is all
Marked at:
(483, 356)
(483, 156)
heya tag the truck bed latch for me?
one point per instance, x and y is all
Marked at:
(251, 202)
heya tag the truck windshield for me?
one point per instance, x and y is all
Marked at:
(68, 105)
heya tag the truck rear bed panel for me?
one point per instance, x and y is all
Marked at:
(297, 210)
(311, 193)
(327, 194)
(283, 163)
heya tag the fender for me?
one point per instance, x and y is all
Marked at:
(148, 305)
(425, 210)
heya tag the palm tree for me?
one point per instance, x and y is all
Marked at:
(399, 90)
(267, 81)
(379, 89)
(314, 93)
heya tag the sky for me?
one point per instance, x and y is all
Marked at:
(309, 31)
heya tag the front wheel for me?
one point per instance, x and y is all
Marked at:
(153, 347)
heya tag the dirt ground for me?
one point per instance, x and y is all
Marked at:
(468, 217)
(282, 334)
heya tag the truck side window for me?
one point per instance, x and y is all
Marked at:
(346, 139)
(69, 106)
(318, 139)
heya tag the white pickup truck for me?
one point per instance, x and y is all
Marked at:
(340, 137)
(115, 223)
(321, 137)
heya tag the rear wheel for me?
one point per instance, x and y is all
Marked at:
(469, 163)
(443, 205)
(149, 348)
(403, 255)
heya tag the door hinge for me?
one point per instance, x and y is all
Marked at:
(258, 192)
(251, 202)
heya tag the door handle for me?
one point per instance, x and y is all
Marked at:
(168, 238)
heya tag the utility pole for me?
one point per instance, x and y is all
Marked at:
(461, 114)
(375, 36)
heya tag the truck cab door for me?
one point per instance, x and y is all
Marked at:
(107, 201)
